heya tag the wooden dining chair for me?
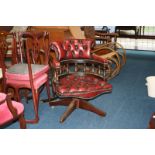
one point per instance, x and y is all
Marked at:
(11, 111)
(28, 73)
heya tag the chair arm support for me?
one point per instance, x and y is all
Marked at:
(10, 106)
(98, 58)
(8, 101)
(101, 50)
(106, 34)
(56, 47)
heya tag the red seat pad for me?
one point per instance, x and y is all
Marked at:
(20, 71)
(20, 83)
(5, 114)
(87, 86)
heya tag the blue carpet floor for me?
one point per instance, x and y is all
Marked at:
(127, 107)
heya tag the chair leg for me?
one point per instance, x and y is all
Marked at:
(36, 106)
(116, 68)
(26, 95)
(62, 102)
(2, 85)
(48, 90)
(152, 122)
(74, 103)
(17, 94)
(22, 121)
(69, 110)
(87, 106)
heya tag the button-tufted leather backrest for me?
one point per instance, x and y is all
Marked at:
(74, 49)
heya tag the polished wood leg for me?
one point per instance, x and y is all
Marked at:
(152, 122)
(36, 107)
(17, 94)
(69, 110)
(87, 106)
(63, 102)
(22, 121)
(48, 90)
(32, 121)
(74, 103)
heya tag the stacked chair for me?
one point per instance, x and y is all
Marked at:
(29, 70)
(80, 72)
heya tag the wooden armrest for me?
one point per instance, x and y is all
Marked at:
(106, 34)
(102, 47)
(10, 106)
(2, 101)
(8, 101)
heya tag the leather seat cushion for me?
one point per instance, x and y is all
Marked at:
(87, 86)
(20, 71)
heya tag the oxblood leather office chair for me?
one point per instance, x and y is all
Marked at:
(11, 111)
(78, 76)
(28, 73)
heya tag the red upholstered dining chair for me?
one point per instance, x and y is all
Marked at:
(11, 111)
(78, 76)
(28, 73)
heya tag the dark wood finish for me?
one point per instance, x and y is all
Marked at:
(8, 45)
(13, 110)
(0, 85)
(134, 28)
(138, 32)
(73, 104)
(107, 48)
(23, 53)
(82, 67)
(152, 122)
(2, 64)
(111, 55)
(78, 63)
(6, 28)
(39, 41)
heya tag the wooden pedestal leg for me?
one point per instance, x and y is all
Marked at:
(87, 106)
(74, 103)
(70, 109)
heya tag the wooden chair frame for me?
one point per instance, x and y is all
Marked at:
(13, 111)
(78, 67)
